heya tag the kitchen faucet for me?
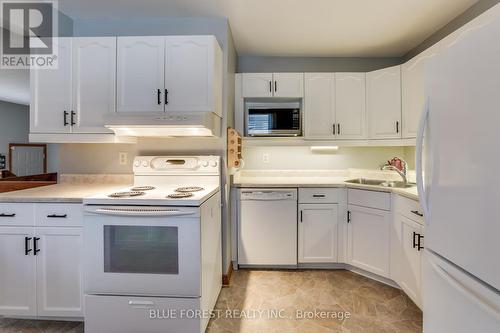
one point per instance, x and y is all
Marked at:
(404, 168)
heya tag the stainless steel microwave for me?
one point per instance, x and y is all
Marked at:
(277, 119)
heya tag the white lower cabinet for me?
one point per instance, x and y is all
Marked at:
(407, 244)
(317, 233)
(411, 258)
(41, 267)
(17, 272)
(368, 239)
(59, 272)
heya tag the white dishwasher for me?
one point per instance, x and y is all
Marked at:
(267, 229)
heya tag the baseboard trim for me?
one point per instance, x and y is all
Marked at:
(319, 266)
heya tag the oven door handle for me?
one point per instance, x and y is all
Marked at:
(142, 212)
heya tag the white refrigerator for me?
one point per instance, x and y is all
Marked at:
(458, 175)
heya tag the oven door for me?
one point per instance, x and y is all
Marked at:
(142, 250)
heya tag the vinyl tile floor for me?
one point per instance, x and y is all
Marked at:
(308, 301)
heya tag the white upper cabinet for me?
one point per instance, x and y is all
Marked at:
(74, 97)
(257, 85)
(51, 93)
(288, 85)
(317, 233)
(273, 85)
(173, 74)
(319, 106)
(413, 90)
(94, 74)
(383, 103)
(350, 110)
(140, 74)
(193, 67)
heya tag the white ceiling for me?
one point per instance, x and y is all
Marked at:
(298, 27)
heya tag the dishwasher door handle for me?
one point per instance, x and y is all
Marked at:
(267, 196)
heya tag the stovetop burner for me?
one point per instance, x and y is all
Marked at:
(180, 195)
(142, 188)
(126, 194)
(189, 189)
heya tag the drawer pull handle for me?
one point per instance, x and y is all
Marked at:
(319, 195)
(141, 304)
(7, 215)
(55, 216)
(416, 212)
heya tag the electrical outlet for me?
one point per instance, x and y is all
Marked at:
(265, 158)
(123, 158)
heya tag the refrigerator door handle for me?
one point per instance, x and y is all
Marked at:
(466, 286)
(418, 156)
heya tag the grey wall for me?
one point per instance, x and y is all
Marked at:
(474, 11)
(262, 64)
(65, 24)
(14, 125)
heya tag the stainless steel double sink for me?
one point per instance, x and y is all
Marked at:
(378, 182)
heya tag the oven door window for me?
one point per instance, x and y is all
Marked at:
(141, 249)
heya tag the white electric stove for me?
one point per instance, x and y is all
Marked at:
(167, 181)
(155, 246)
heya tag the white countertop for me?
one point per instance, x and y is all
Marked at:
(72, 189)
(320, 178)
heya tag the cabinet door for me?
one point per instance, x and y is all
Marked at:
(189, 73)
(94, 75)
(383, 103)
(257, 85)
(319, 107)
(288, 84)
(51, 93)
(18, 276)
(411, 259)
(413, 90)
(59, 272)
(318, 224)
(350, 101)
(140, 74)
(368, 239)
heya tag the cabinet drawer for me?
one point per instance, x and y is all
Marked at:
(370, 199)
(122, 314)
(55, 215)
(16, 214)
(319, 195)
(408, 208)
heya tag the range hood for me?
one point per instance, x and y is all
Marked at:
(194, 124)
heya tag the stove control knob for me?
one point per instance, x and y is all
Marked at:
(145, 163)
(204, 164)
(213, 163)
(137, 163)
